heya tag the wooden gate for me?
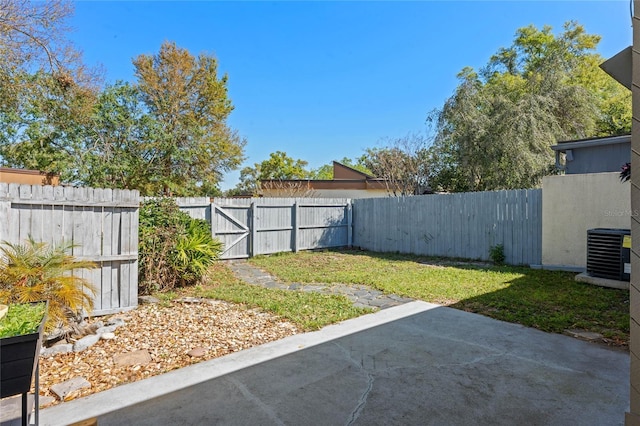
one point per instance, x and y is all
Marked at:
(251, 226)
(230, 224)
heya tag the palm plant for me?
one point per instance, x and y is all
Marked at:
(194, 252)
(36, 271)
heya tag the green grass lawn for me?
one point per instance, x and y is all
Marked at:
(548, 300)
(309, 311)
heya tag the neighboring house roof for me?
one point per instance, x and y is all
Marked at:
(28, 177)
(344, 177)
(593, 155)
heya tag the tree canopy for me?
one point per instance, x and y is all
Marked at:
(164, 134)
(495, 131)
(46, 92)
(190, 103)
(402, 162)
(279, 166)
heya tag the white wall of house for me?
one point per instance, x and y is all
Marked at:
(573, 204)
(349, 193)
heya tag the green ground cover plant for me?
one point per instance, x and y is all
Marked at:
(548, 300)
(22, 318)
(309, 311)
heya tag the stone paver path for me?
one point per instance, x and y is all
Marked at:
(361, 296)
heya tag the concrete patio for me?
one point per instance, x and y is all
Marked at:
(415, 364)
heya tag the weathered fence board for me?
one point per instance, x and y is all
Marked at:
(102, 224)
(453, 225)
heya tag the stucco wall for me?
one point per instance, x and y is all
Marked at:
(572, 204)
(349, 193)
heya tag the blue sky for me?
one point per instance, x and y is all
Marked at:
(325, 80)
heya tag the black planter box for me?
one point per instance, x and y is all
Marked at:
(18, 361)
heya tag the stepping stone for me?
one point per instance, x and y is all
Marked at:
(189, 300)
(132, 358)
(65, 389)
(196, 352)
(148, 300)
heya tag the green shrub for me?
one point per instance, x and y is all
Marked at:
(496, 253)
(174, 249)
(194, 252)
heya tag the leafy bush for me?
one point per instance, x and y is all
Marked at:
(174, 249)
(496, 253)
(195, 251)
(36, 271)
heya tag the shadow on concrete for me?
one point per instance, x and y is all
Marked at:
(416, 364)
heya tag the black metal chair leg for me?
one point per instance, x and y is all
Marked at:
(25, 417)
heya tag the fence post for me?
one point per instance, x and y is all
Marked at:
(253, 226)
(296, 225)
(349, 224)
(212, 212)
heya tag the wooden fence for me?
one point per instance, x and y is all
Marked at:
(101, 223)
(462, 225)
(253, 226)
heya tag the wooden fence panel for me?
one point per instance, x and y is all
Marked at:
(101, 224)
(453, 225)
(253, 226)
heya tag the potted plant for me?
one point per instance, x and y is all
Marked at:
(20, 341)
(21, 329)
(29, 273)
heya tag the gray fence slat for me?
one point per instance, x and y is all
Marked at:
(90, 220)
(453, 225)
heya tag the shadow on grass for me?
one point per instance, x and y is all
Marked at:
(553, 301)
(548, 300)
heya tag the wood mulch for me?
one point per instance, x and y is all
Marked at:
(168, 331)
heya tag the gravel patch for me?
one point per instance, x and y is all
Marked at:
(168, 333)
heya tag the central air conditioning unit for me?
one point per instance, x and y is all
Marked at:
(609, 253)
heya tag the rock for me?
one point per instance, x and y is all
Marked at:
(45, 400)
(150, 300)
(189, 300)
(86, 342)
(132, 358)
(57, 349)
(64, 389)
(197, 352)
(117, 322)
(106, 329)
(107, 336)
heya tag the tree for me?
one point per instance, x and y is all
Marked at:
(46, 92)
(495, 132)
(46, 131)
(403, 164)
(121, 142)
(278, 167)
(194, 145)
